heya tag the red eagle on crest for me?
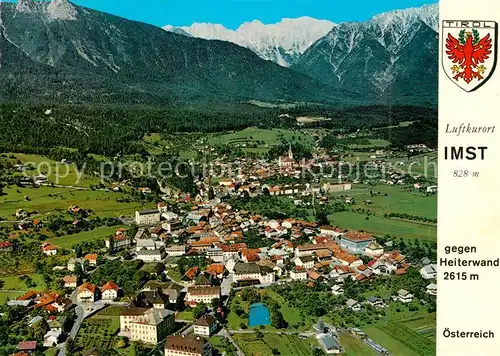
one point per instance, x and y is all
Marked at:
(468, 51)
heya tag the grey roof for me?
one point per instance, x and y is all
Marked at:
(246, 268)
(146, 299)
(148, 252)
(351, 302)
(35, 320)
(328, 342)
(148, 242)
(148, 212)
(19, 303)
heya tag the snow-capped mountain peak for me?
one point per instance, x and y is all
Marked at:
(428, 14)
(282, 42)
(393, 49)
(61, 10)
(25, 5)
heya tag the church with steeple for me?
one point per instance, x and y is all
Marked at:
(287, 161)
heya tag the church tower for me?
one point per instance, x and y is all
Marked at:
(290, 153)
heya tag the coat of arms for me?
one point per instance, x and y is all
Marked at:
(469, 52)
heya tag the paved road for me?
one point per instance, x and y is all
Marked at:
(74, 330)
(306, 334)
(225, 286)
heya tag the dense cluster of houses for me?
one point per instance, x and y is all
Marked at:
(295, 250)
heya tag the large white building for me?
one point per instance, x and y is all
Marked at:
(146, 325)
(298, 274)
(147, 217)
(176, 250)
(149, 244)
(205, 295)
(152, 255)
(252, 271)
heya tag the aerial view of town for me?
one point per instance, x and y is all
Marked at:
(197, 190)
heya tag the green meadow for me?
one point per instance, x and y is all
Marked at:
(56, 172)
(259, 140)
(46, 200)
(393, 199)
(290, 345)
(381, 226)
(67, 241)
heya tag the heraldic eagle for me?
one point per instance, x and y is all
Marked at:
(468, 52)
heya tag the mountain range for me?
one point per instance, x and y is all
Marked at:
(282, 42)
(60, 51)
(392, 56)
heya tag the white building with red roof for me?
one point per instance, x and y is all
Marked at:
(109, 291)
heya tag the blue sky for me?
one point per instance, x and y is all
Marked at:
(232, 13)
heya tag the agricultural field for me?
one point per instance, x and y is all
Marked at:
(381, 226)
(11, 265)
(290, 345)
(386, 199)
(372, 143)
(45, 200)
(425, 165)
(68, 241)
(406, 333)
(56, 172)
(185, 144)
(6, 296)
(100, 331)
(222, 345)
(13, 283)
(393, 199)
(258, 140)
(354, 346)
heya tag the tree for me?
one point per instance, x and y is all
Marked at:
(199, 310)
(250, 295)
(318, 352)
(322, 218)
(277, 320)
(215, 303)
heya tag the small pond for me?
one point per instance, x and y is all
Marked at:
(258, 314)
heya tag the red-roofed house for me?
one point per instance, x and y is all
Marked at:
(216, 270)
(92, 258)
(27, 346)
(191, 274)
(70, 281)
(334, 231)
(49, 250)
(87, 292)
(109, 291)
(29, 295)
(6, 246)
